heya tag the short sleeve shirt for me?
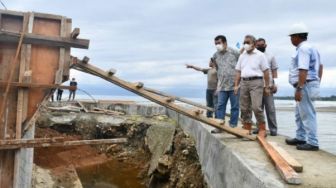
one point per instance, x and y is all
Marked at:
(226, 62)
(272, 65)
(305, 57)
(253, 64)
(212, 78)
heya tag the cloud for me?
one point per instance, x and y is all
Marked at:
(150, 41)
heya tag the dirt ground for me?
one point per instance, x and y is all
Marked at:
(179, 166)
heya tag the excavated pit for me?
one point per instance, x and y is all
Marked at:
(158, 153)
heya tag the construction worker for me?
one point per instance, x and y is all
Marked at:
(211, 98)
(304, 75)
(253, 76)
(268, 101)
(72, 92)
(226, 59)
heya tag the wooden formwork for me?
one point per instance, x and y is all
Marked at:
(43, 59)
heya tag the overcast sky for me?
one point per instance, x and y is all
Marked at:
(150, 41)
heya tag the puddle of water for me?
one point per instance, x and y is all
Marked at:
(112, 174)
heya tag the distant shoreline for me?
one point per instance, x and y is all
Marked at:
(318, 109)
(330, 98)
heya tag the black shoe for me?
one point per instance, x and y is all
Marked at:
(307, 147)
(216, 131)
(294, 141)
(273, 133)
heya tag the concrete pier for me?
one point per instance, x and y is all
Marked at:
(228, 161)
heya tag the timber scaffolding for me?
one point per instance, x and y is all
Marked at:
(35, 57)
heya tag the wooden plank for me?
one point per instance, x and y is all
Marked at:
(298, 167)
(36, 85)
(35, 143)
(13, 37)
(59, 73)
(157, 98)
(286, 171)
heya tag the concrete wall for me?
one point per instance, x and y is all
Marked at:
(226, 161)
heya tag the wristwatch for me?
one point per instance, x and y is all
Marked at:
(299, 88)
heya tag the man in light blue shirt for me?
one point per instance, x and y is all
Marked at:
(304, 75)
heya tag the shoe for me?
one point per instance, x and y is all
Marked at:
(294, 141)
(247, 126)
(307, 147)
(216, 131)
(273, 133)
(255, 131)
(262, 130)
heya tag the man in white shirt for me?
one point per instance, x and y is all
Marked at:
(253, 76)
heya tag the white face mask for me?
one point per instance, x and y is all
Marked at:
(247, 47)
(219, 47)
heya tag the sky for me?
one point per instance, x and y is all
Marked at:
(151, 41)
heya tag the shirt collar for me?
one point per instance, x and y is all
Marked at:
(303, 42)
(253, 52)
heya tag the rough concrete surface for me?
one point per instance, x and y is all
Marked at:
(159, 138)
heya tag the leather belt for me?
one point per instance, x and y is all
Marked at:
(252, 78)
(307, 81)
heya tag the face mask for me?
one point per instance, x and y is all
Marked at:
(219, 47)
(247, 47)
(262, 49)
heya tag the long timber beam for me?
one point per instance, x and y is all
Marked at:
(29, 38)
(54, 142)
(164, 101)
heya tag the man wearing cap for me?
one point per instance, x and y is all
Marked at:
(211, 98)
(253, 76)
(226, 59)
(268, 101)
(304, 75)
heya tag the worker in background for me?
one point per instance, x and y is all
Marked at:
(253, 77)
(226, 59)
(304, 75)
(73, 90)
(59, 94)
(52, 91)
(211, 98)
(268, 101)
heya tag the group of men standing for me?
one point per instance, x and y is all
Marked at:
(246, 78)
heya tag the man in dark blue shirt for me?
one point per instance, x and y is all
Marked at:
(73, 90)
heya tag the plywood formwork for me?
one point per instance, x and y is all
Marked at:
(43, 59)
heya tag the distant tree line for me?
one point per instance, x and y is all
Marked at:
(330, 98)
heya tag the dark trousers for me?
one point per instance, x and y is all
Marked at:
(73, 93)
(211, 101)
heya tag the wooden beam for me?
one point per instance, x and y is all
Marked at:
(286, 172)
(30, 38)
(298, 167)
(34, 85)
(75, 33)
(37, 143)
(239, 132)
